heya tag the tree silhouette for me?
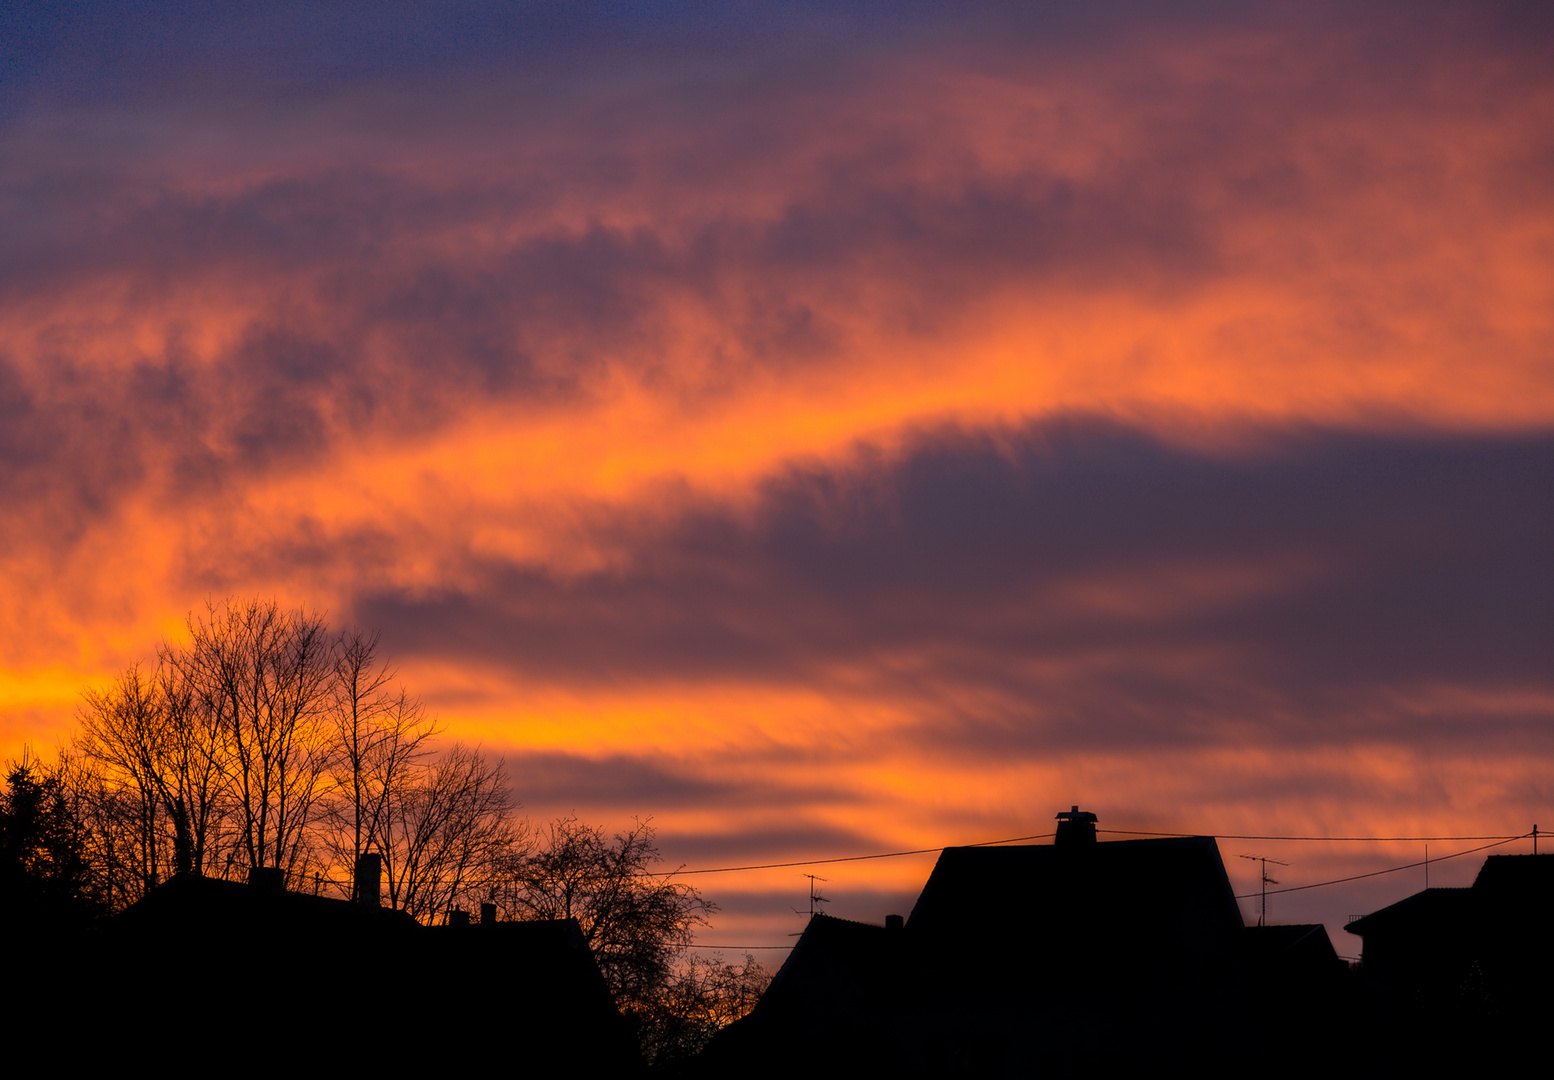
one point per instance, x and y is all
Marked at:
(639, 923)
(633, 918)
(151, 770)
(262, 674)
(268, 742)
(448, 833)
(46, 880)
(382, 739)
(703, 995)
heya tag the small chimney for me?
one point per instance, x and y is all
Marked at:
(894, 924)
(458, 917)
(369, 879)
(1075, 827)
(268, 878)
(487, 914)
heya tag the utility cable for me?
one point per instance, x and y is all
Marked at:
(1335, 839)
(1115, 832)
(843, 858)
(1378, 873)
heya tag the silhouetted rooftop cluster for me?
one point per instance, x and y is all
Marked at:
(1085, 958)
(1078, 958)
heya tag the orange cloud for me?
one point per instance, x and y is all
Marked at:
(913, 435)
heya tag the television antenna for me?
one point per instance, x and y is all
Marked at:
(1267, 881)
(814, 896)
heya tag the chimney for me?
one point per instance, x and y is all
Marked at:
(1075, 827)
(369, 879)
(268, 878)
(458, 917)
(487, 914)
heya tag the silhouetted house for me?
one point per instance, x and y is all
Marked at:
(835, 999)
(535, 988)
(1291, 959)
(1483, 954)
(1075, 958)
(205, 969)
(1094, 954)
(1293, 979)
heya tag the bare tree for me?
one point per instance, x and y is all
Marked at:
(261, 675)
(381, 737)
(634, 919)
(448, 834)
(197, 788)
(122, 734)
(269, 741)
(703, 995)
(149, 767)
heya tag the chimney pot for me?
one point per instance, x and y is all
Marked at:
(369, 879)
(1075, 827)
(268, 878)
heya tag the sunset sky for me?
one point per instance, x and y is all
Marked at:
(823, 428)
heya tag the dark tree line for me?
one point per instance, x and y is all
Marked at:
(47, 879)
(270, 742)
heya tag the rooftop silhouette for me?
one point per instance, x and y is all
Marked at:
(1072, 958)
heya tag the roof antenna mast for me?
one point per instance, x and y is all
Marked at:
(1267, 881)
(814, 895)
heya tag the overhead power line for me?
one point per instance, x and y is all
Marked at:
(1496, 841)
(844, 858)
(1330, 839)
(1388, 870)
(1115, 832)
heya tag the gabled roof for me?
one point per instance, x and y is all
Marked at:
(1503, 880)
(1527, 874)
(1275, 939)
(317, 974)
(1504, 884)
(1465, 964)
(1290, 952)
(832, 998)
(1108, 923)
(1172, 891)
(189, 907)
(1430, 906)
(544, 962)
(836, 965)
(1083, 958)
